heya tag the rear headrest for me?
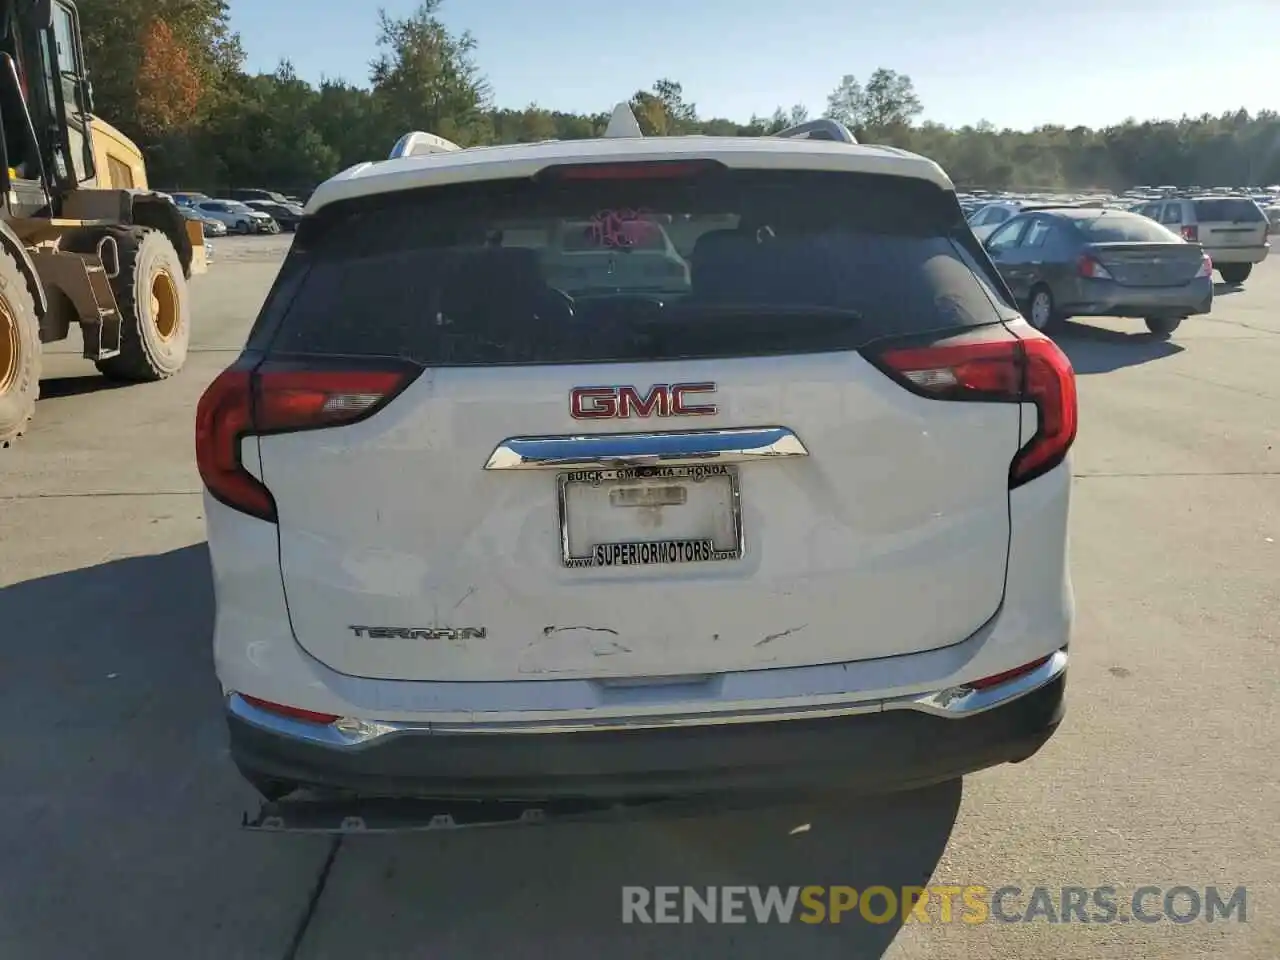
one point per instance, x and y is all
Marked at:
(501, 265)
(493, 276)
(719, 260)
(718, 243)
(742, 266)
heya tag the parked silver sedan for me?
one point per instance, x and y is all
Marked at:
(237, 217)
(212, 228)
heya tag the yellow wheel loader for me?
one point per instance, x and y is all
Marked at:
(83, 240)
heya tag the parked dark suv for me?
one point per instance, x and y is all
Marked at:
(256, 194)
(288, 215)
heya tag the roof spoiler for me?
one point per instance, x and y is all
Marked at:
(823, 128)
(419, 144)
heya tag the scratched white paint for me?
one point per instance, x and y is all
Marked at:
(890, 538)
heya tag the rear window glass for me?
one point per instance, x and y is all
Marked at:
(1236, 210)
(727, 263)
(1124, 228)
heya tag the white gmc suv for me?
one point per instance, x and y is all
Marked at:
(496, 515)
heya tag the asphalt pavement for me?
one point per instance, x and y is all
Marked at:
(121, 836)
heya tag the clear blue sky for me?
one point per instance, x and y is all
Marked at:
(1017, 63)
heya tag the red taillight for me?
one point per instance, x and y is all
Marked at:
(224, 417)
(241, 404)
(1191, 233)
(1026, 368)
(308, 399)
(963, 371)
(637, 170)
(1051, 385)
(1091, 268)
(1206, 266)
(293, 713)
(998, 678)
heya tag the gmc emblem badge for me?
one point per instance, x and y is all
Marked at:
(623, 403)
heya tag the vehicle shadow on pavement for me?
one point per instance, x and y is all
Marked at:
(121, 830)
(1099, 350)
(557, 890)
(53, 387)
(560, 887)
(122, 836)
(1225, 289)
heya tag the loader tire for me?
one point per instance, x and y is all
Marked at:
(155, 305)
(19, 351)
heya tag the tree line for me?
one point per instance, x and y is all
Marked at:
(170, 74)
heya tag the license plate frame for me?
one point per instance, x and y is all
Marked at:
(639, 554)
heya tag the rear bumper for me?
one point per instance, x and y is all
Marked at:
(878, 746)
(1108, 299)
(1238, 254)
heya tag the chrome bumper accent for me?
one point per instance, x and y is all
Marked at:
(962, 701)
(677, 448)
(953, 703)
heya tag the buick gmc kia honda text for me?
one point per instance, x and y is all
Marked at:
(628, 468)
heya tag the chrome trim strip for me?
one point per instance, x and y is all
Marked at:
(952, 703)
(686, 447)
(328, 734)
(962, 701)
(663, 721)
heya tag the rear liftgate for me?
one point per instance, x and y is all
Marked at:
(695, 468)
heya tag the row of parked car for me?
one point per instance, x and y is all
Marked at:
(1149, 256)
(248, 212)
(999, 205)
